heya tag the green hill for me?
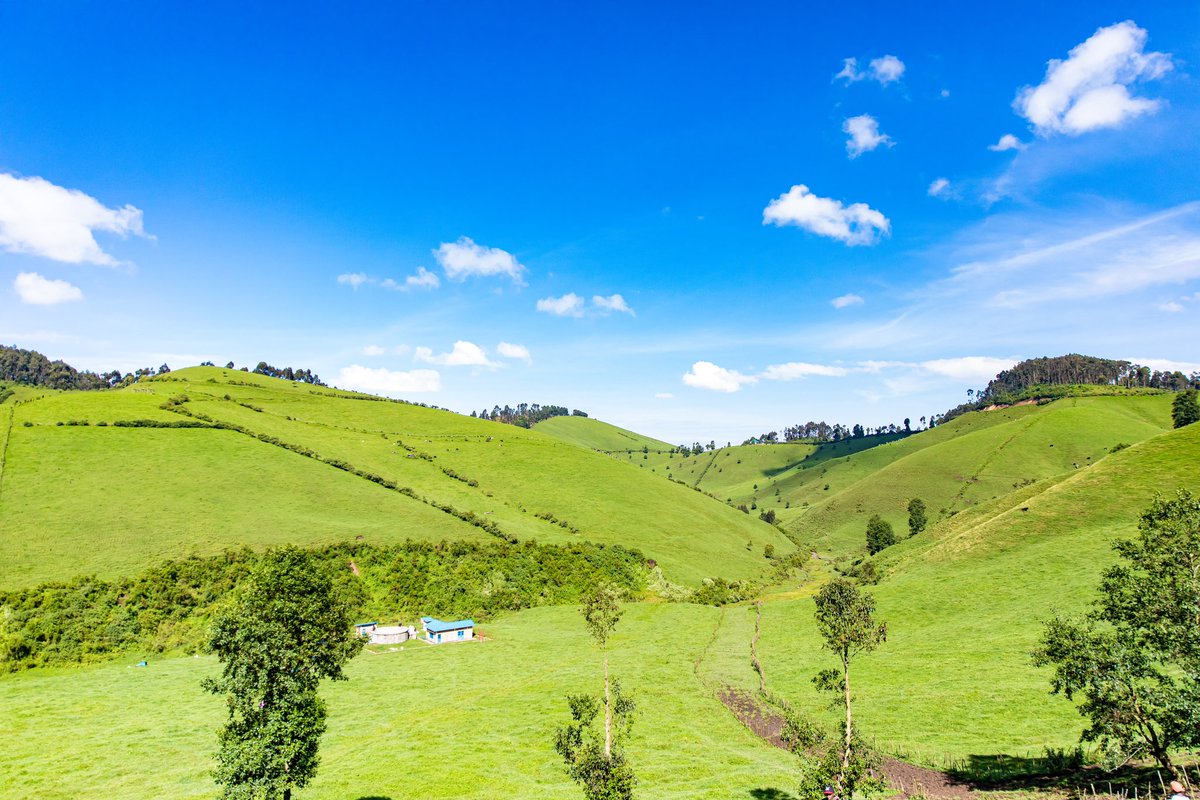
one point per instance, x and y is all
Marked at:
(90, 484)
(965, 599)
(597, 435)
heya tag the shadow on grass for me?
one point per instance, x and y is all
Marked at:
(771, 794)
(1058, 770)
(374, 797)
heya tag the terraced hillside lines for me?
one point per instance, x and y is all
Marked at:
(975, 458)
(150, 495)
(964, 602)
(150, 732)
(597, 435)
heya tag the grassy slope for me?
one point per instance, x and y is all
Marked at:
(964, 601)
(489, 709)
(597, 435)
(142, 494)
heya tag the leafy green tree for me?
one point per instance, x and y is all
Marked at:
(1134, 661)
(288, 630)
(846, 621)
(879, 534)
(596, 763)
(1186, 408)
(916, 516)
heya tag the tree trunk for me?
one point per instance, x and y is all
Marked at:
(849, 718)
(607, 713)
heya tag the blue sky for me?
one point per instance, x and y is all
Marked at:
(700, 221)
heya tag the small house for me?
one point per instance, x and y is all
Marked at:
(393, 634)
(438, 632)
(365, 628)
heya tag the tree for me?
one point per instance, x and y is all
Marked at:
(1186, 408)
(288, 630)
(879, 534)
(1135, 659)
(597, 763)
(916, 516)
(846, 621)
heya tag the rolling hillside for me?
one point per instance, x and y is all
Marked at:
(597, 435)
(89, 484)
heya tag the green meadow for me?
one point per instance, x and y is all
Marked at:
(465, 720)
(597, 435)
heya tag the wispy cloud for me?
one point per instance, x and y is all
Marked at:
(389, 382)
(465, 258)
(856, 224)
(373, 350)
(423, 279)
(612, 303)
(1090, 89)
(939, 187)
(795, 370)
(1007, 142)
(42, 219)
(36, 290)
(846, 300)
(517, 352)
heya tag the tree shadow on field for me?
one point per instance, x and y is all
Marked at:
(771, 794)
(374, 797)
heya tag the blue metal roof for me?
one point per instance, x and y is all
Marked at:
(437, 626)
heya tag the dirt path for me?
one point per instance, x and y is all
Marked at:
(909, 779)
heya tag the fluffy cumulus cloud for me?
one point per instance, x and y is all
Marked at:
(36, 290)
(794, 370)
(884, 70)
(465, 258)
(569, 305)
(464, 354)
(846, 300)
(864, 135)
(707, 375)
(854, 224)
(1007, 142)
(1091, 88)
(42, 219)
(939, 187)
(517, 352)
(389, 382)
(612, 303)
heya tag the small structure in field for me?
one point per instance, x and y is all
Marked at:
(393, 634)
(438, 632)
(365, 628)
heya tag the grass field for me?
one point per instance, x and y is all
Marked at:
(473, 720)
(83, 498)
(597, 435)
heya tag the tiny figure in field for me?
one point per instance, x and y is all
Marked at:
(1177, 791)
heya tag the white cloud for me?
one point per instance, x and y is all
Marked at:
(706, 375)
(846, 300)
(864, 135)
(464, 258)
(569, 305)
(1166, 365)
(1007, 142)
(855, 224)
(968, 368)
(939, 187)
(43, 219)
(515, 351)
(1171, 307)
(795, 370)
(1090, 89)
(885, 70)
(373, 350)
(464, 354)
(612, 303)
(424, 279)
(390, 382)
(353, 279)
(39, 291)
(663, 396)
